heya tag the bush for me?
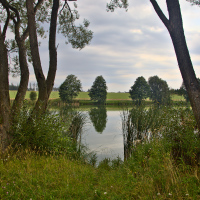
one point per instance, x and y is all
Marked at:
(45, 133)
(33, 96)
(174, 127)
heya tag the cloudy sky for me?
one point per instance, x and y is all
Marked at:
(125, 45)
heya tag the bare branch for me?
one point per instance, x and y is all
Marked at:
(160, 13)
(7, 20)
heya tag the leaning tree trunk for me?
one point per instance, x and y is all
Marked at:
(175, 27)
(4, 97)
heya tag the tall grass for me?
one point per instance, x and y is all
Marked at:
(152, 171)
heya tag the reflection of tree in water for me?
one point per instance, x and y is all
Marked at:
(98, 116)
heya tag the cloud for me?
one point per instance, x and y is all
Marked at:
(126, 45)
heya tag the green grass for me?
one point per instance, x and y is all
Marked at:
(84, 96)
(26, 175)
(152, 172)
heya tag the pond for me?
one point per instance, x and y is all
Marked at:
(103, 133)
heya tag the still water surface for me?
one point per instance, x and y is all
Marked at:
(103, 133)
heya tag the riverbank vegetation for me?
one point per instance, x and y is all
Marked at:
(166, 165)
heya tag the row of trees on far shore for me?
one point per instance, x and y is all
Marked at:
(71, 87)
(155, 89)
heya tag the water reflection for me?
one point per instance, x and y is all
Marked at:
(109, 144)
(98, 117)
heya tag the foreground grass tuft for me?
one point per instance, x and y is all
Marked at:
(27, 175)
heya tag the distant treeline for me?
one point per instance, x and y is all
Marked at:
(32, 87)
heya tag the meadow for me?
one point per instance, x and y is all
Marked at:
(84, 96)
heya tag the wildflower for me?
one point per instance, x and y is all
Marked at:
(105, 192)
(95, 191)
(158, 193)
(187, 194)
(170, 194)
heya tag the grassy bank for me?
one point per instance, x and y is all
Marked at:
(27, 175)
(164, 167)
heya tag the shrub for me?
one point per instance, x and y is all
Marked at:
(33, 96)
(44, 133)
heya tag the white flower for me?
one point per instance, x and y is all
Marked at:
(158, 193)
(170, 194)
(105, 192)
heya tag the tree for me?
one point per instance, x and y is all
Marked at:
(98, 91)
(159, 90)
(174, 25)
(70, 88)
(140, 90)
(24, 18)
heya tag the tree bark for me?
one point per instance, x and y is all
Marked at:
(175, 27)
(52, 47)
(4, 96)
(45, 86)
(41, 103)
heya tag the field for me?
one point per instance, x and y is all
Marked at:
(84, 96)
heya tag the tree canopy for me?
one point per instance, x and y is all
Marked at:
(98, 91)
(70, 88)
(140, 90)
(159, 90)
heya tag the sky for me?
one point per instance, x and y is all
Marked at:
(125, 45)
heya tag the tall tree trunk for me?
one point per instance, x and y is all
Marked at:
(41, 103)
(175, 27)
(45, 86)
(18, 102)
(52, 47)
(4, 96)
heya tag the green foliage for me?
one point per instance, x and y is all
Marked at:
(175, 128)
(117, 4)
(137, 125)
(78, 36)
(98, 91)
(160, 93)
(46, 133)
(33, 95)
(140, 90)
(70, 88)
(182, 137)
